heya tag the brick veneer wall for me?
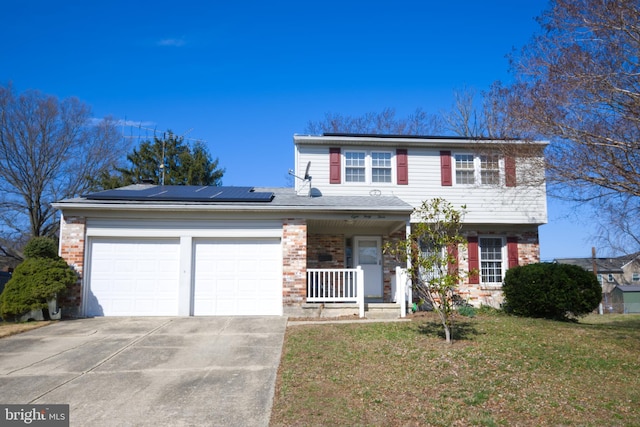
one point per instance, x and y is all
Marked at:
(72, 239)
(491, 295)
(321, 247)
(294, 261)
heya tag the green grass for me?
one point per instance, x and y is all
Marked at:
(500, 371)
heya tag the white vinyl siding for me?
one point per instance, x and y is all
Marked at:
(508, 205)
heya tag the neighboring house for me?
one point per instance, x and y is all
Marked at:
(612, 272)
(163, 250)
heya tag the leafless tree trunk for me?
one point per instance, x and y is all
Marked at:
(48, 149)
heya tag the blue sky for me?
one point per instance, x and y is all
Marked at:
(244, 76)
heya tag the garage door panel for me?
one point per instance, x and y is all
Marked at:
(238, 277)
(133, 277)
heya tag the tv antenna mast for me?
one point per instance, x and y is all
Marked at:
(306, 179)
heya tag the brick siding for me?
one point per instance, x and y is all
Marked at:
(72, 236)
(294, 261)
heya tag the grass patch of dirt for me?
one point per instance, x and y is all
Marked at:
(500, 371)
(9, 328)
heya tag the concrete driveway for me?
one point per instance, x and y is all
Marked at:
(214, 371)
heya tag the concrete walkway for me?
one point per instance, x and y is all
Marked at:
(214, 371)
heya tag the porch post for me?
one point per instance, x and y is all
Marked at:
(406, 280)
(401, 288)
(360, 284)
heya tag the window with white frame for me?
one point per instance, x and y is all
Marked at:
(485, 169)
(368, 166)
(491, 259)
(610, 278)
(490, 169)
(380, 166)
(354, 166)
(635, 277)
(465, 169)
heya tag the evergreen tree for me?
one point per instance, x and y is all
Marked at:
(168, 161)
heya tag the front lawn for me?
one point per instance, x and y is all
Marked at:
(500, 371)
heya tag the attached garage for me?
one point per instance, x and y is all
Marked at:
(237, 277)
(182, 267)
(133, 277)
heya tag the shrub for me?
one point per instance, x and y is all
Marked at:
(552, 291)
(33, 283)
(39, 278)
(41, 247)
(467, 311)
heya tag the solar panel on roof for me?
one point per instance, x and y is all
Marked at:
(184, 193)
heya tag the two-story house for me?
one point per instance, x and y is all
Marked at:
(500, 182)
(186, 250)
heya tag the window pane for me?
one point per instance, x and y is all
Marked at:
(354, 166)
(368, 252)
(491, 259)
(380, 167)
(381, 175)
(464, 169)
(489, 170)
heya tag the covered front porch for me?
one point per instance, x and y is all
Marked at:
(348, 272)
(341, 292)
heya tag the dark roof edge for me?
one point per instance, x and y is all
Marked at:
(381, 135)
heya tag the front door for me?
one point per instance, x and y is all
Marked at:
(368, 255)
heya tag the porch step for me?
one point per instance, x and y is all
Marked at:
(372, 310)
(382, 310)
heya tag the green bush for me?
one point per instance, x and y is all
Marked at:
(39, 278)
(551, 291)
(41, 247)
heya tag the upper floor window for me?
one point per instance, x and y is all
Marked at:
(610, 278)
(635, 277)
(380, 166)
(465, 170)
(482, 169)
(362, 166)
(490, 169)
(354, 166)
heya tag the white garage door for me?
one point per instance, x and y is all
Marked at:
(133, 277)
(237, 277)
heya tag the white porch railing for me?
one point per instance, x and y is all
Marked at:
(336, 285)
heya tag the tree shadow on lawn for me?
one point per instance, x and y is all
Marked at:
(460, 331)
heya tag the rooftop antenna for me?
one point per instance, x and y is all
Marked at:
(306, 179)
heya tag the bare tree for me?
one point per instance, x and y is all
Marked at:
(384, 122)
(48, 150)
(465, 118)
(432, 247)
(577, 83)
